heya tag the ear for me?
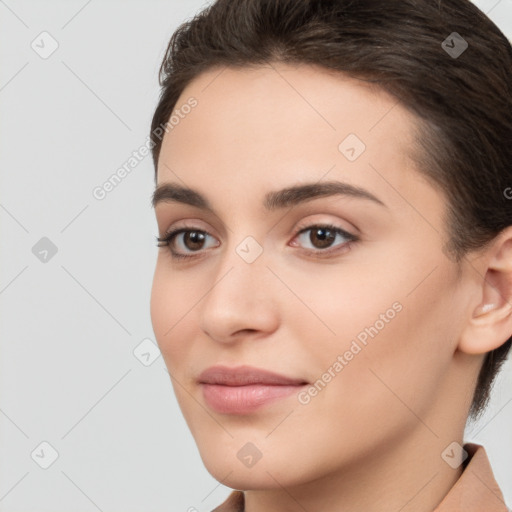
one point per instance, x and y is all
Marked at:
(490, 323)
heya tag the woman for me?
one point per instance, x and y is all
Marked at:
(333, 292)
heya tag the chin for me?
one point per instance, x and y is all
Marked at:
(226, 464)
(258, 477)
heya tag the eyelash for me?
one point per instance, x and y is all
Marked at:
(166, 240)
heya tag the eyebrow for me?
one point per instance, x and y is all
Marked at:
(274, 200)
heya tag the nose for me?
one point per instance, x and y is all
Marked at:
(241, 301)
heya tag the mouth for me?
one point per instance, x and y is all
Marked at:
(245, 389)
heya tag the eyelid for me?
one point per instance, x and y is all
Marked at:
(336, 224)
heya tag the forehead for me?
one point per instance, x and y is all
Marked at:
(258, 128)
(278, 105)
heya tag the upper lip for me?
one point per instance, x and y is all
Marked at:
(245, 375)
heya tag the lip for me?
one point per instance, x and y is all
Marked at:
(244, 375)
(244, 389)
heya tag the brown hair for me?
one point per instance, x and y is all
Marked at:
(462, 100)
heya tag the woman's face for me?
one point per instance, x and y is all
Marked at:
(366, 311)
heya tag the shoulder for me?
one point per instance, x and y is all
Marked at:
(234, 503)
(476, 489)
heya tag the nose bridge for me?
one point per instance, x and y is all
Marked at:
(242, 272)
(240, 296)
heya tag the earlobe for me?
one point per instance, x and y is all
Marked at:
(490, 323)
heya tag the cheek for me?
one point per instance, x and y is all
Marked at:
(159, 304)
(416, 361)
(172, 317)
(394, 330)
(171, 302)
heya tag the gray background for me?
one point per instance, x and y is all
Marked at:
(69, 375)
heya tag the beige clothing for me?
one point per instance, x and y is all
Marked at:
(475, 491)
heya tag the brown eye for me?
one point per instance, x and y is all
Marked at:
(319, 238)
(185, 242)
(193, 240)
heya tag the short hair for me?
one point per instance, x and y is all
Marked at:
(443, 60)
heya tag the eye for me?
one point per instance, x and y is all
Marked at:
(324, 236)
(185, 239)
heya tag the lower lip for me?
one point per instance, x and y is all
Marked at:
(244, 399)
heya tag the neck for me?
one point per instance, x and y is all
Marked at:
(407, 475)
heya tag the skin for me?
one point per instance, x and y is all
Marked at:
(372, 439)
